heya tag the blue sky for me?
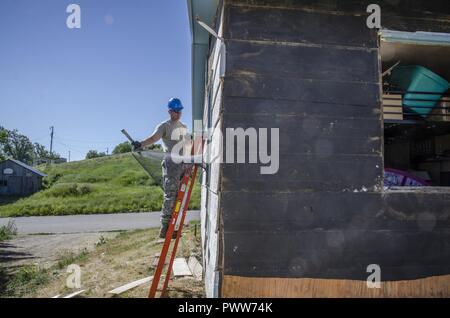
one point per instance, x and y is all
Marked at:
(117, 71)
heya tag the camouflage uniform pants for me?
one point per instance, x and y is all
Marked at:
(172, 173)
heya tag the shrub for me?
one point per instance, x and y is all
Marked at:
(8, 231)
(68, 190)
(84, 189)
(50, 180)
(27, 278)
(128, 178)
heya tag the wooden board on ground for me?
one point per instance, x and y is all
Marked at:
(181, 268)
(75, 294)
(195, 267)
(131, 285)
(155, 260)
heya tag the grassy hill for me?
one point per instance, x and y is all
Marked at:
(102, 185)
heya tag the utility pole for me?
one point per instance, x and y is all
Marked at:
(69, 155)
(107, 151)
(51, 139)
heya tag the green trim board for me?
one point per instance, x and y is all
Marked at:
(206, 10)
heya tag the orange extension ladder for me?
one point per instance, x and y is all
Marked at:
(179, 211)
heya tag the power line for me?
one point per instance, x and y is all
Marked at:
(39, 138)
(71, 148)
(78, 150)
(76, 146)
(90, 141)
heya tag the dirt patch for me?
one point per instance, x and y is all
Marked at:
(127, 257)
(46, 250)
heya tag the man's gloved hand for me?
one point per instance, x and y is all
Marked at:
(136, 145)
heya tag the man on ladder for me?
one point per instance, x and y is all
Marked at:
(171, 131)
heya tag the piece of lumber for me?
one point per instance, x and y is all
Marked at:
(75, 294)
(181, 268)
(131, 285)
(195, 267)
(155, 260)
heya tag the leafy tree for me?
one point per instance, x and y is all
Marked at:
(123, 147)
(127, 147)
(3, 139)
(15, 145)
(94, 154)
(156, 147)
(41, 152)
(18, 147)
(3, 135)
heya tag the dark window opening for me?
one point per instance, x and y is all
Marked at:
(416, 112)
(3, 183)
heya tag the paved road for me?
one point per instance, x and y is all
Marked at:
(89, 223)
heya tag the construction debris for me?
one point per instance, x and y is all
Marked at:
(75, 294)
(155, 260)
(195, 268)
(131, 285)
(181, 268)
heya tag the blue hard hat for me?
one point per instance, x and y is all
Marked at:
(175, 104)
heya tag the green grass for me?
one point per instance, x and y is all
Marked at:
(7, 231)
(29, 278)
(71, 258)
(112, 263)
(26, 280)
(102, 185)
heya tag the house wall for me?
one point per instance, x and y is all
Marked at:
(21, 182)
(312, 69)
(212, 122)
